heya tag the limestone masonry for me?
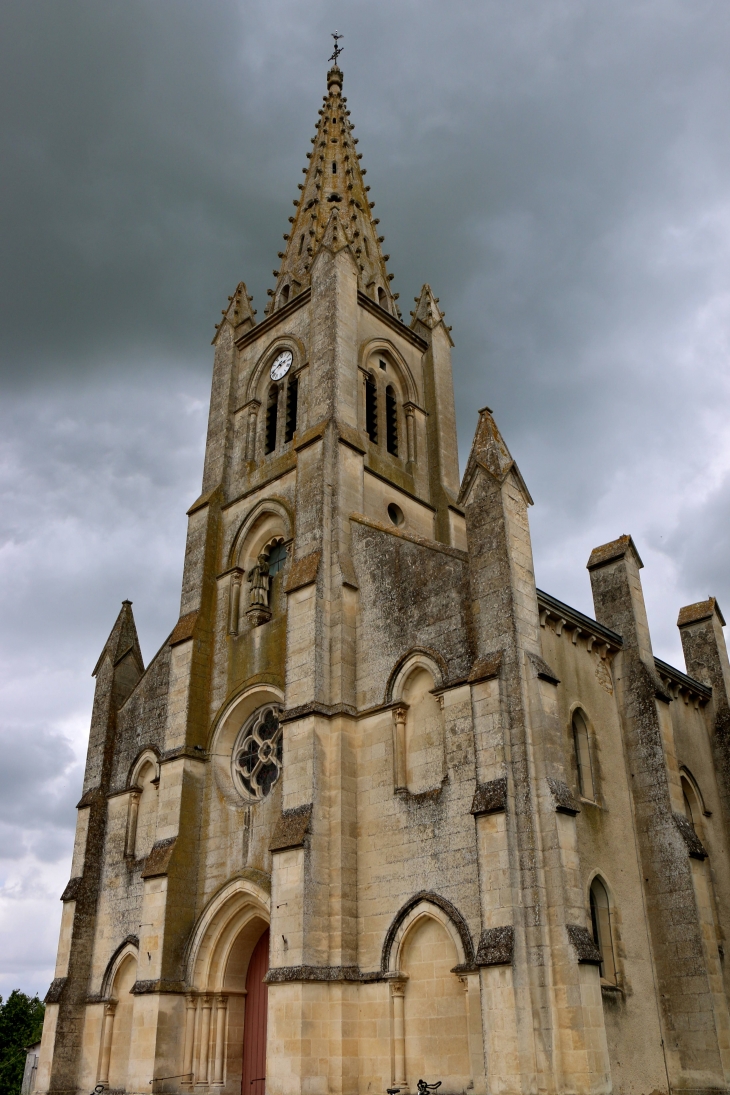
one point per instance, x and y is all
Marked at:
(379, 810)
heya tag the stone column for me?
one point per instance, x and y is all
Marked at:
(234, 604)
(253, 411)
(410, 411)
(191, 1005)
(131, 834)
(221, 1008)
(398, 993)
(204, 1040)
(400, 714)
(107, 1036)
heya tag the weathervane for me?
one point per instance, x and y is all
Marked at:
(338, 47)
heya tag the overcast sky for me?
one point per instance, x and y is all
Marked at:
(557, 170)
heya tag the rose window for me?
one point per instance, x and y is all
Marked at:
(258, 751)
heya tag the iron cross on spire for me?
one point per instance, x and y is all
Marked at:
(338, 47)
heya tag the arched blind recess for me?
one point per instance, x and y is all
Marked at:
(582, 747)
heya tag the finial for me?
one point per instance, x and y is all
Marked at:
(338, 48)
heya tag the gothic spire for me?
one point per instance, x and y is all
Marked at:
(334, 180)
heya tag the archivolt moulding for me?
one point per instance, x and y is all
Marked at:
(218, 927)
(276, 507)
(281, 342)
(150, 754)
(382, 345)
(225, 730)
(423, 905)
(128, 947)
(418, 658)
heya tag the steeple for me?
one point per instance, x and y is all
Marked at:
(334, 180)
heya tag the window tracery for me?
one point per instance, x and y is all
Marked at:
(257, 755)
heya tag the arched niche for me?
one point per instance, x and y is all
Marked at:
(146, 820)
(693, 801)
(266, 530)
(226, 730)
(428, 955)
(142, 803)
(580, 728)
(268, 520)
(116, 1032)
(419, 747)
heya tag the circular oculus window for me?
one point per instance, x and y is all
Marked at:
(396, 514)
(257, 755)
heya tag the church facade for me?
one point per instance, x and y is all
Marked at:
(379, 811)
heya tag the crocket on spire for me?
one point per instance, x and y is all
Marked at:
(334, 180)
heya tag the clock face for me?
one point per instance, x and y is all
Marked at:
(282, 365)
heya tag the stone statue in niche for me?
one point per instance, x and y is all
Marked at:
(258, 576)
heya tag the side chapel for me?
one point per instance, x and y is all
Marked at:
(379, 810)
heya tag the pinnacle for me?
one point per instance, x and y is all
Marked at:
(122, 640)
(490, 453)
(239, 311)
(334, 180)
(427, 311)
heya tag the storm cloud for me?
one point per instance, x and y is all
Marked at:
(557, 170)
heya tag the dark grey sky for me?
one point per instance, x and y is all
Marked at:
(557, 170)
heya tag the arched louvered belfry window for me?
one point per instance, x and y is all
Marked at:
(371, 409)
(603, 929)
(272, 410)
(391, 420)
(292, 400)
(582, 747)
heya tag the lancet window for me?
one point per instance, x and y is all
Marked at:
(272, 411)
(371, 409)
(391, 420)
(582, 747)
(292, 399)
(602, 929)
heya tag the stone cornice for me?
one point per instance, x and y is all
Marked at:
(677, 682)
(421, 541)
(390, 321)
(553, 609)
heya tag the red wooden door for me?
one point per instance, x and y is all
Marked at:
(253, 1078)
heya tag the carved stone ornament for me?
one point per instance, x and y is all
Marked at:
(259, 611)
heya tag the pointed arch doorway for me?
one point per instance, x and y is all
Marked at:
(253, 1072)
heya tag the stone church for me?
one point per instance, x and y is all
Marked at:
(380, 814)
